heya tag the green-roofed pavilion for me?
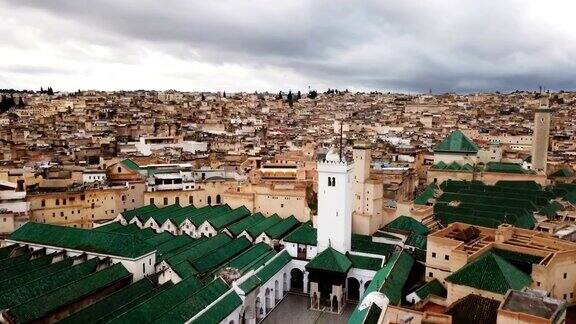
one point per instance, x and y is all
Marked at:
(456, 142)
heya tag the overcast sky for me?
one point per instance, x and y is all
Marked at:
(213, 45)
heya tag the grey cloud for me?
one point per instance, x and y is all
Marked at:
(395, 45)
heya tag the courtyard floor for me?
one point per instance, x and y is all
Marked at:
(294, 309)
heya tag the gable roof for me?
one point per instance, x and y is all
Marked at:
(456, 142)
(407, 224)
(492, 273)
(110, 243)
(305, 234)
(330, 260)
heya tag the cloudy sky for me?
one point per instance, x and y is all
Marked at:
(410, 46)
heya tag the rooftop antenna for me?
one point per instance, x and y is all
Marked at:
(341, 123)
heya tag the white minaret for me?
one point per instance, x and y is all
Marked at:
(335, 202)
(541, 134)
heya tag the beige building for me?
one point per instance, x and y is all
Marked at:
(548, 260)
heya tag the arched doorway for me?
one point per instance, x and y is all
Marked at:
(259, 310)
(285, 278)
(366, 284)
(276, 291)
(267, 302)
(218, 200)
(334, 304)
(210, 200)
(353, 289)
(296, 280)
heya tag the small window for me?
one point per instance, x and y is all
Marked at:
(191, 200)
(165, 200)
(119, 169)
(177, 200)
(43, 203)
(446, 257)
(433, 254)
(57, 202)
(430, 274)
(151, 201)
(565, 275)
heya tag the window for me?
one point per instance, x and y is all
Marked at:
(143, 268)
(165, 200)
(57, 202)
(191, 200)
(281, 205)
(151, 201)
(43, 203)
(430, 274)
(446, 257)
(61, 214)
(123, 197)
(433, 254)
(82, 197)
(119, 169)
(565, 275)
(177, 200)
(64, 201)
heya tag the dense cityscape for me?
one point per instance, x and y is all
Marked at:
(246, 207)
(303, 162)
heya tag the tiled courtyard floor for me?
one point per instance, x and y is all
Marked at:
(294, 309)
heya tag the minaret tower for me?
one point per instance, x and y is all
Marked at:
(335, 202)
(541, 134)
(362, 161)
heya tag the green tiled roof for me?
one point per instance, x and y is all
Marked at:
(407, 224)
(439, 166)
(502, 167)
(428, 193)
(237, 228)
(490, 272)
(129, 214)
(551, 209)
(433, 287)
(249, 256)
(305, 234)
(195, 303)
(83, 240)
(563, 173)
(273, 266)
(456, 142)
(6, 251)
(229, 218)
(280, 229)
(131, 165)
(173, 244)
(18, 294)
(259, 228)
(330, 260)
(219, 256)
(134, 303)
(198, 250)
(28, 277)
(14, 261)
(373, 314)
(250, 284)
(364, 244)
(25, 267)
(220, 309)
(37, 308)
(364, 262)
(160, 239)
(389, 280)
(156, 306)
(118, 299)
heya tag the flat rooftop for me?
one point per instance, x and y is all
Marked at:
(533, 303)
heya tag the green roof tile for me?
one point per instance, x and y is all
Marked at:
(220, 309)
(37, 308)
(492, 273)
(305, 234)
(237, 228)
(219, 256)
(364, 262)
(407, 224)
(433, 287)
(330, 260)
(195, 303)
(83, 240)
(111, 303)
(456, 142)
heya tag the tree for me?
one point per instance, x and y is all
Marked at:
(202, 97)
(290, 99)
(41, 90)
(312, 94)
(224, 94)
(50, 92)
(279, 96)
(20, 102)
(299, 96)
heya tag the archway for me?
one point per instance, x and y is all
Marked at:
(210, 200)
(353, 289)
(366, 284)
(296, 279)
(276, 291)
(267, 300)
(218, 200)
(259, 310)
